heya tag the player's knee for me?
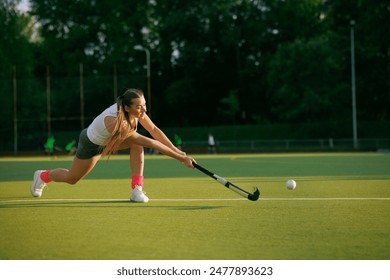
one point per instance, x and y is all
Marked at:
(136, 148)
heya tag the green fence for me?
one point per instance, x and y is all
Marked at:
(318, 130)
(250, 138)
(249, 146)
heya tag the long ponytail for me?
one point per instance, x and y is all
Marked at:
(123, 127)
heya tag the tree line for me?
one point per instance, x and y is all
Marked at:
(215, 62)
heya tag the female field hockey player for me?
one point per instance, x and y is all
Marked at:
(115, 129)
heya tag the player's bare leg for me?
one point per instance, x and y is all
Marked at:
(137, 170)
(79, 169)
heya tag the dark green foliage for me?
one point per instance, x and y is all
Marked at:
(285, 61)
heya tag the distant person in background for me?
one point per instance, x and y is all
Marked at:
(49, 145)
(114, 129)
(71, 148)
(211, 144)
(178, 141)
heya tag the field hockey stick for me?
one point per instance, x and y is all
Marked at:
(251, 196)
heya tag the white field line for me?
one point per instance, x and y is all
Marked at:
(194, 199)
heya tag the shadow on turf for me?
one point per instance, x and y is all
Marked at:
(100, 204)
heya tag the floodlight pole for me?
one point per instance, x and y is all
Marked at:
(148, 77)
(115, 80)
(354, 120)
(15, 96)
(48, 100)
(82, 96)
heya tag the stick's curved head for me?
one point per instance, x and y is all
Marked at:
(255, 195)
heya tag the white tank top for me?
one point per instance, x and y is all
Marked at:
(97, 132)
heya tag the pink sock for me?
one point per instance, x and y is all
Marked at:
(45, 176)
(137, 181)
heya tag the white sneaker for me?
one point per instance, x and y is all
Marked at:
(37, 185)
(137, 195)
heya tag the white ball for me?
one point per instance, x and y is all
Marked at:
(291, 184)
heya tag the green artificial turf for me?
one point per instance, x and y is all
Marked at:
(339, 210)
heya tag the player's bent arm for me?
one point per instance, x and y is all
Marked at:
(162, 148)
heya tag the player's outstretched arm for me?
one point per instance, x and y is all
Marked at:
(141, 140)
(157, 133)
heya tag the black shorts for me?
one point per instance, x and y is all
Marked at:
(86, 149)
